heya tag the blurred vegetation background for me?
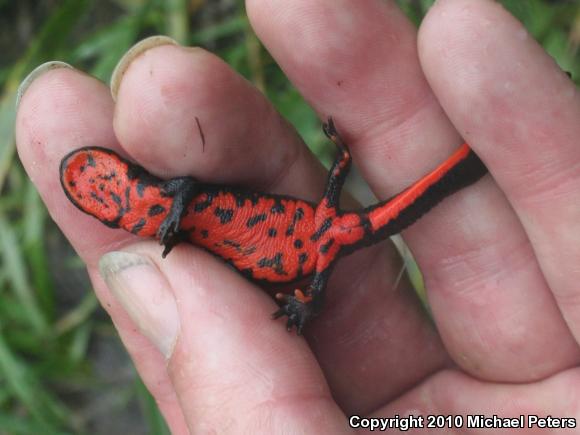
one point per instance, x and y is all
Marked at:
(62, 368)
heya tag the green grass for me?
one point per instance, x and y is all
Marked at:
(50, 322)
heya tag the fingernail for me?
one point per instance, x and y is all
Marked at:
(35, 73)
(144, 293)
(135, 51)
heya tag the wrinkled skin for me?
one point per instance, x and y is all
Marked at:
(500, 258)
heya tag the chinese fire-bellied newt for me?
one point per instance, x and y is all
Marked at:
(273, 238)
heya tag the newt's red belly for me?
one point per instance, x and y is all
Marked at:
(264, 236)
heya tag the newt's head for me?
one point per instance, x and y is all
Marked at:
(95, 180)
(117, 192)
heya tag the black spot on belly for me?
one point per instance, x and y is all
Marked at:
(240, 201)
(324, 248)
(233, 244)
(204, 234)
(254, 220)
(272, 232)
(301, 260)
(99, 199)
(140, 189)
(201, 206)
(275, 263)
(298, 244)
(249, 251)
(155, 210)
(108, 177)
(128, 198)
(116, 198)
(323, 228)
(298, 215)
(224, 214)
(278, 207)
(138, 226)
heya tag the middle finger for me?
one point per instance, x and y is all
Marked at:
(358, 61)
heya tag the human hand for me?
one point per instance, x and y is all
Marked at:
(499, 258)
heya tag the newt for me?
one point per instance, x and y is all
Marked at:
(266, 237)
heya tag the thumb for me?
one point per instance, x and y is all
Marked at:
(233, 369)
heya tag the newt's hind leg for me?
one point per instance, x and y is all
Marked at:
(340, 167)
(183, 190)
(301, 307)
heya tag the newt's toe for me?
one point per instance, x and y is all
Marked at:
(297, 308)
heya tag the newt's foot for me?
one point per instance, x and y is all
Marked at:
(332, 133)
(169, 233)
(182, 189)
(329, 129)
(298, 308)
(168, 228)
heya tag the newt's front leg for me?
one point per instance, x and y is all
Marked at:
(182, 190)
